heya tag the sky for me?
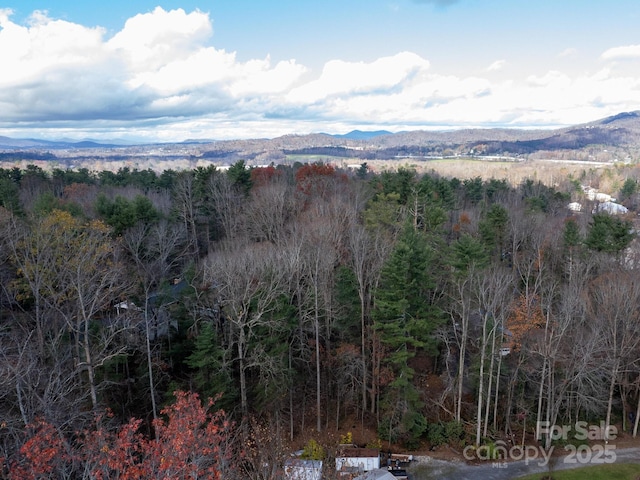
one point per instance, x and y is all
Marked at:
(168, 71)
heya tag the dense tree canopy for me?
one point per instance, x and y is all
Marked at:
(301, 298)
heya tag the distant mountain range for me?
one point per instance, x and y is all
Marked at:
(360, 135)
(615, 138)
(8, 143)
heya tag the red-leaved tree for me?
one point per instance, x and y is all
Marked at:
(43, 454)
(318, 180)
(191, 442)
(187, 444)
(119, 454)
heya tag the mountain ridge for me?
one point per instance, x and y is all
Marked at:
(617, 136)
(443, 135)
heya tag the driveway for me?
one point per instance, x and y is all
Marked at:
(426, 468)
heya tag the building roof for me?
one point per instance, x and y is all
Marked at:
(299, 462)
(611, 208)
(378, 474)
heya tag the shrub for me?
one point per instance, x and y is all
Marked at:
(312, 451)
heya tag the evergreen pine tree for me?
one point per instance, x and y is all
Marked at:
(609, 234)
(405, 319)
(211, 371)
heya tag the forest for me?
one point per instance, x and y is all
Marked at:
(204, 323)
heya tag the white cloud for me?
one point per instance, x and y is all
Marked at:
(551, 79)
(162, 76)
(159, 64)
(497, 65)
(567, 52)
(26, 53)
(257, 76)
(358, 78)
(151, 40)
(624, 52)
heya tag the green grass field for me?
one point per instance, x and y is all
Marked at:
(621, 471)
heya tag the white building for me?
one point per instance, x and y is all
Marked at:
(360, 459)
(611, 208)
(298, 469)
(575, 207)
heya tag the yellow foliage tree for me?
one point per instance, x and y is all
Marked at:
(71, 268)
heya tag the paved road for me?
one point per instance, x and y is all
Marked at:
(431, 469)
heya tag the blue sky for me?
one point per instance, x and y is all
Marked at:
(174, 70)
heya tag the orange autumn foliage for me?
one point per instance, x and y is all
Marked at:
(186, 446)
(41, 455)
(316, 179)
(261, 176)
(526, 315)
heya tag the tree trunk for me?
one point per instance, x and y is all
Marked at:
(318, 379)
(375, 370)
(481, 381)
(363, 344)
(152, 388)
(89, 366)
(462, 350)
(495, 402)
(540, 395)
(490, 386)
(244, 407)
(291, 416)
(550, 399)
(612, 386)
(635, 423)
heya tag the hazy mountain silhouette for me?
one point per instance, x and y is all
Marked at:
(618, 135)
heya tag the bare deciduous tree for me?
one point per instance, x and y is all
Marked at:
(614, 307)
(156, 250)
(85, 280)
(247, 282)
(491, 291)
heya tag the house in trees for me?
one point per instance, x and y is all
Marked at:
(155, 310)
(595, 196)
(575, 207)
(300, 469)
(507, 341)
(611, 208)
